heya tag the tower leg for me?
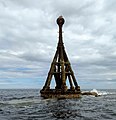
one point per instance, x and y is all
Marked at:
(52, 68)
(63, 77)
(71, 84)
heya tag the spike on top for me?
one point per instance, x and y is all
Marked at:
(60, 20)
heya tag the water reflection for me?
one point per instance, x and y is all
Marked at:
(63, 109)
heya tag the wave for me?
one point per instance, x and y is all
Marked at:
(99, 92)
(17, 98)
(103, 92)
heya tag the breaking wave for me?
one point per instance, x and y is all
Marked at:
(103, 92)
(99, 92)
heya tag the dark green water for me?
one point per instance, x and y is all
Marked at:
(26, 104)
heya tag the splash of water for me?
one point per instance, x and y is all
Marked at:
(99, 92)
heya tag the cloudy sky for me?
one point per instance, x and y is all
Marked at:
(29, 36)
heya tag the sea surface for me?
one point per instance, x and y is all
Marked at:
(26, 104)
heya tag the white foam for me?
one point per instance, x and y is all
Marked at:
(102, 93)
(94, 90)
(99, 92)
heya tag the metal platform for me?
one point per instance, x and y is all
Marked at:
(52, 93)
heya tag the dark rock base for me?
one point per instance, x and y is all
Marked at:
(60, 95)
(52, 93)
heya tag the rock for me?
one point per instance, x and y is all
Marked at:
(90, 93)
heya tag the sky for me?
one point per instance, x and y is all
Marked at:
(29, 36)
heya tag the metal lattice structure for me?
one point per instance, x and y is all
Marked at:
(61, 71)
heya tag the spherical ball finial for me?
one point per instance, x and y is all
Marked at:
(60, 20)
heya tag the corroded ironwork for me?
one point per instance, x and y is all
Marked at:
(62, 71)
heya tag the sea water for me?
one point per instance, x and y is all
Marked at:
(26, 104)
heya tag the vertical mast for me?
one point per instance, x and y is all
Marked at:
(60, 22)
